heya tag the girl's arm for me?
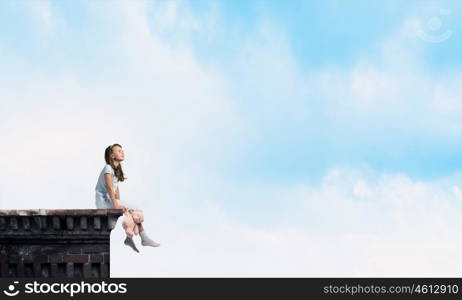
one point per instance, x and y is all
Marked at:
(117, 193)
(111, 192)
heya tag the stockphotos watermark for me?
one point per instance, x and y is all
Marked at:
(68, 288)
(433, 29)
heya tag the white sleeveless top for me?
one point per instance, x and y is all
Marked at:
(103, 200)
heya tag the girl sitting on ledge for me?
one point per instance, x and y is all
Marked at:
(108, 196)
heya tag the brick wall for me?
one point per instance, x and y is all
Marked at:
(72, 243)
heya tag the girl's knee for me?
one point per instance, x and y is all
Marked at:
(138, 216)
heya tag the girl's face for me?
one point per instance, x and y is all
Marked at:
(117, 153)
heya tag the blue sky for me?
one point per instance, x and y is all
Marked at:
(275, 124)
(318, 35)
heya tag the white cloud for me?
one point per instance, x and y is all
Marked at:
(401, 228)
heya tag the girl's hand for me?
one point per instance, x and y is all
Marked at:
(123, 208)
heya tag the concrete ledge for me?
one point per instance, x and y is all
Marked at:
(61, 212)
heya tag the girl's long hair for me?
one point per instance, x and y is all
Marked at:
(119, 173)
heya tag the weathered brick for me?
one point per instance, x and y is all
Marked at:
(96, 258)
(21, 271)
(95, 249)
(78, 270)
(37, 269)
(70, 222)
(14, 259)
(76, 258)
(45, 270)
(70, 270)
(96, 270)
(87, 270)
(56, 258)
(56, 222)
(28, 258)
(41, 258)
(38, 222)
(83, 223)
(54, 270)
(28, 270)
(111, 222)
(62, 270)
(74, 249)
(26, 223)
(106, 258)
(13, 223)
(12, 270)
(48, 243)
(44, 222)
(4, 269)
(105, 270)
(97, 223)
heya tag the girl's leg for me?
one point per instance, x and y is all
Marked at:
(129, 242)
(140, 227)
(145, 240)
(129, 239)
